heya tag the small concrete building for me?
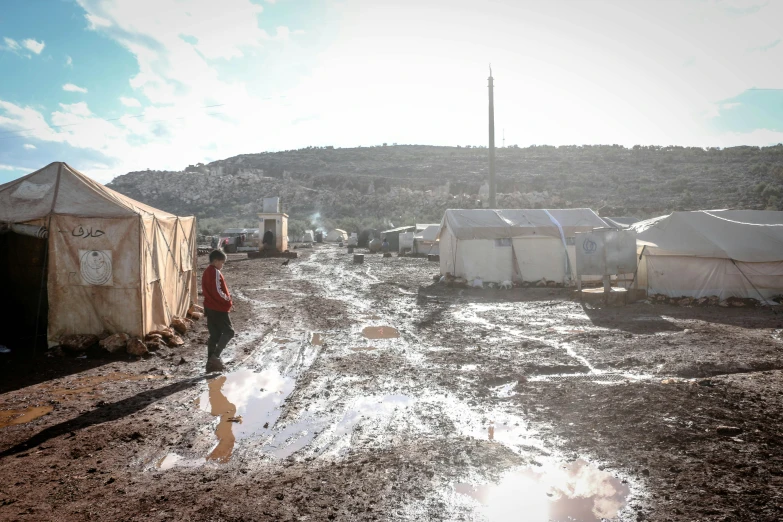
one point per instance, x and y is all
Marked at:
(276, 224)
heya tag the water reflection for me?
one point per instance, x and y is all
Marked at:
(380, 332)
(247, 403)
(565, 492)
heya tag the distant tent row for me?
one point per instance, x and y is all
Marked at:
(77, 257)
(512, 245)
(724, 253)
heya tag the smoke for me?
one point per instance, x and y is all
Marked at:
(315, 219)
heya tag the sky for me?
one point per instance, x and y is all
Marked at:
(112, 86)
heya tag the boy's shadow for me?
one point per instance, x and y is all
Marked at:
(107, 413)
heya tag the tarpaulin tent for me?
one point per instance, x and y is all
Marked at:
(393, 236)
(112, 264)
(336, 235)
(512, 245)
(426, 240)
(726, 253)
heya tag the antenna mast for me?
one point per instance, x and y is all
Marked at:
(492, 203)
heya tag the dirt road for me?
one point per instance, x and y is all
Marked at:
(366, 392)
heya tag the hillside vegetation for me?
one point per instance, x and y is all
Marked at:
(388, 186)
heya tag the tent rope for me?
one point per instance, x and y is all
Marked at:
(565, 245)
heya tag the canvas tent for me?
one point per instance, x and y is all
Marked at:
(726, 253)
(512, 245)
(336, 235)
(393, 236)
(426, 241)
(105, 263)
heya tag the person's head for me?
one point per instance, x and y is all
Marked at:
(217, 258)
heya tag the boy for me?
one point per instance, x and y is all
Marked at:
(217, 305)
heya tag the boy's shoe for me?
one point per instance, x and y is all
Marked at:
(214, 364)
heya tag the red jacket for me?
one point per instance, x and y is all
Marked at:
(215, 290)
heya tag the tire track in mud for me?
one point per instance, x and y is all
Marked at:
(349, 395)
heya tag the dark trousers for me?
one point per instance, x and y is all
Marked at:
(220, 331)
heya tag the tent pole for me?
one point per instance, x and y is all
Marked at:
(44, 271)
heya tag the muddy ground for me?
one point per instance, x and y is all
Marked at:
(367, 392)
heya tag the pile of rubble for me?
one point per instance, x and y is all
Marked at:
(120, 343)
(713, 300)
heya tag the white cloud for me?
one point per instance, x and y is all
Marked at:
(9, 167)
(130, 102)
(68, 61)
(29, 146)
(33, 45)
(73, 88)
(96, 22)
(598, 75)
(11, 44)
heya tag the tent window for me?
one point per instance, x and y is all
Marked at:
(505, 242)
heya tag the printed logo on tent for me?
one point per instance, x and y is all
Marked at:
(95, 267)
(589, 246)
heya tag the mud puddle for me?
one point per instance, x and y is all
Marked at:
(380, 332)
(22, 416)
(247, 403)
(553, 492)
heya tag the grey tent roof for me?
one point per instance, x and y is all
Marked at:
(742, 235)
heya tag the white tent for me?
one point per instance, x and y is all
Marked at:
(426, 241)
(727, 253)
(336, 235)
(512, 245)
(308, 236)
(103, 262)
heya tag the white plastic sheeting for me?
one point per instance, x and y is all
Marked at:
(743, 235)
(507, 223)
(336, 235)
(727, 253)
(511, 245)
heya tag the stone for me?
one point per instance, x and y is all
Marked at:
(115, 343)
(685, 301)
(137, 347)
(195, 315)
(196, 308)
(153, 337)
(77, 343)
(155, 344)
(175, 341)
(166, 333)
(179, 325)
(541, 283)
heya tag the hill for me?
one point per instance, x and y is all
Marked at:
(401, 184)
